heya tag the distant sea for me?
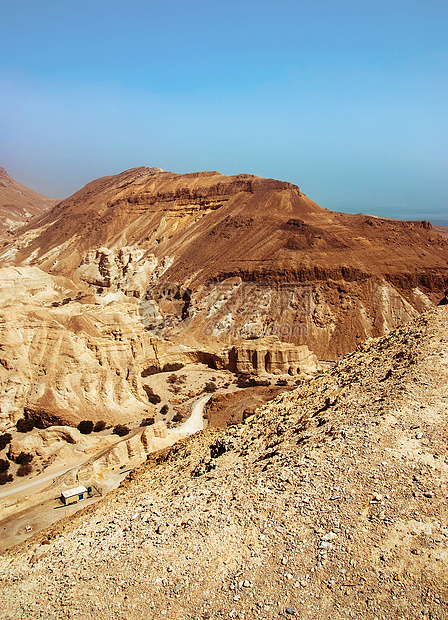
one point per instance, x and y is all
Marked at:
(438, 216)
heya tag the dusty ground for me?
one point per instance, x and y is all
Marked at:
(225, 409)
(330, 502)
(178, 389)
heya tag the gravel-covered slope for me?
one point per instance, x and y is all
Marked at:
(329, 502)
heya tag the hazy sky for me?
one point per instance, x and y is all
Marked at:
(347, 99)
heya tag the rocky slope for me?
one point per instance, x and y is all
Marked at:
(329, 502)
(18, 203)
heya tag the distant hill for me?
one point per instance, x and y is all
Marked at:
(18, 203)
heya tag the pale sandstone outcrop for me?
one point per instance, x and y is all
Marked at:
(61, 445)
(267, 355)
(57, 445)
(135, 448)
(76, 362)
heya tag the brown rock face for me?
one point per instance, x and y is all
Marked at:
(207, 262)
(226, 409)
(18, 203)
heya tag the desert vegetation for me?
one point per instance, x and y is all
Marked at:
(147, 422)
(153, 398)
(5, 439)
(25, 425)
(99, 426)
(121, 430)
(86, 427)
(5, 477)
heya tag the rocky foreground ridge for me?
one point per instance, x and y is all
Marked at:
(328, 502)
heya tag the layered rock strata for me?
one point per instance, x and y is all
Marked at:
(148, 264)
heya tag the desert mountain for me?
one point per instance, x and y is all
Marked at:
(18, 203)
(232, 257)
(147, 268)
(328, 502)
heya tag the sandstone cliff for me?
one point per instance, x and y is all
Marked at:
(60, 365)
(270, 355)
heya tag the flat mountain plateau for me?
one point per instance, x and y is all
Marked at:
(146, 269)
(328, 502)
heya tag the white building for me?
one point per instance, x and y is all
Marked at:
(74, 495)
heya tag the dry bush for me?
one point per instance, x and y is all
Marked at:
(154, 399)
(147, 422)
(121, 430)
(99, 426)
(24, 426)
(85, 427)
(5, 440)
(173, 366)
(25, 470)
(24, 458)
(5, 477)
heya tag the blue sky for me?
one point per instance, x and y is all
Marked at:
(347, 99)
